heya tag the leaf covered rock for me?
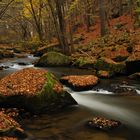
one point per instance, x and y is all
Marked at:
(35, 90)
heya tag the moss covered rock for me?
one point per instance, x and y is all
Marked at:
(54, 59)
(35, 90)
(84, 62)
(107, 64)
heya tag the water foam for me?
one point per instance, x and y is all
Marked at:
(19, 67)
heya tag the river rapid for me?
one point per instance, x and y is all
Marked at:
(101, 101)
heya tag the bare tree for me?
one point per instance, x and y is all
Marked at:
(4, 9)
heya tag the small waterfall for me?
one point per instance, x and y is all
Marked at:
(138, 91)
(89, 100)
(19, 67)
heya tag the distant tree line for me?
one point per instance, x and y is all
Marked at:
(47, 19)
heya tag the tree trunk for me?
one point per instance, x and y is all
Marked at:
(62, 27)
(102, 18)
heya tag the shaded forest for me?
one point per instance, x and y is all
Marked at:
(59, 21)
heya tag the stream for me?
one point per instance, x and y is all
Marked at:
(70, 123)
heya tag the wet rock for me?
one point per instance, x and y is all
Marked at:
(23, 63)
(135, 76)
(53, 59)
(35, 90)
(80, 83)
(105, 74)
(103, 123)
(123, 90)
(107, 64)
(9, 127)
(3, 67)
(8, 54)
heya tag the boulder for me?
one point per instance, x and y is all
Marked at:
(105, 74)
(84, 62)
(53, 59)
(135, 76)
(123, 90)
(8, 126)
(80, 83)
(8, 54)
(34, 90)
(103, 123)
(107, 64)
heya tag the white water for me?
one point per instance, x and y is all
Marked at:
(89, 100)
(138, 91)
(19, 67)
(100, 91)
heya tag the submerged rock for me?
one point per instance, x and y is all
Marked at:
(53, 59)
(80, 83)
(35, 90)
(9, 127)
(103, 123)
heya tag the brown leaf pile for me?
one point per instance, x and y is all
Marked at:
(84, 80)
(24, 82)
(101, 122)
(7, 122)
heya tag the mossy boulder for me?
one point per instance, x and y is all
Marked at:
(84, 62)
(105, 74)
(53, 59)
(107, 64)
(35, 90)
(80, 82)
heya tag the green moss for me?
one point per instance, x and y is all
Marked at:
(109, 65)
(84, 62)
(54, 59)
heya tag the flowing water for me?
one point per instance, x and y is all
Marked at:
(101, 101)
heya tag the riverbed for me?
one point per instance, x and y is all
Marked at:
(101, 101)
